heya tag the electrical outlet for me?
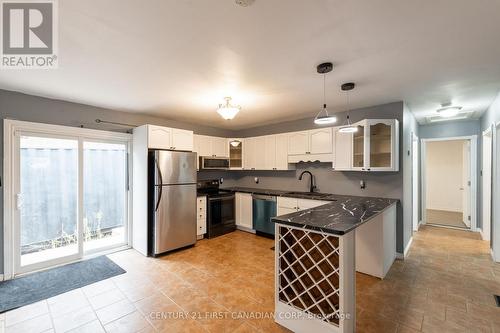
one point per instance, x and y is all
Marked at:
(362, 184)
(256, 180)
(221, 180)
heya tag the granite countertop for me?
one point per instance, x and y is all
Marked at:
(343, 214)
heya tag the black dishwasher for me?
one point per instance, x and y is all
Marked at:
(263, 209)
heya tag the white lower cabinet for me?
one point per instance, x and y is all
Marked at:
(201, 216)
(244, 216)
(288, 205)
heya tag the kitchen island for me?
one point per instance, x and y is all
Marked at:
(316, 260)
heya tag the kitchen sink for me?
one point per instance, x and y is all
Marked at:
(309, 194)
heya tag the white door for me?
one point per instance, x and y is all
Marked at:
(415, 182)
(298, 143)
(182, 139)
(258, 152)
(343, 151)
(281, 152)
(320, 141)
(71, 195)
(47, 187)
(249, 154)
(204, 145)
(219, 147)
(244, 217)
(466, 184)
(487, 182)
(270, 152)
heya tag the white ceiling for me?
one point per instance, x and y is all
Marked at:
(178, 59)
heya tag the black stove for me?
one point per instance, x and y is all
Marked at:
(220, 208)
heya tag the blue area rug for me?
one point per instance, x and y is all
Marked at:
(38, 286)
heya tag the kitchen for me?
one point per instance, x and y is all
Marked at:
(247, 166)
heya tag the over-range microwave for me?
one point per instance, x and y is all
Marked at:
(214, 163)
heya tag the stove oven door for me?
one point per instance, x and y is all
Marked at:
(221, 215)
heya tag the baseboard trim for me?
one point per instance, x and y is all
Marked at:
(402, 256)
(242, 228)
(480, 230)
(1, 277)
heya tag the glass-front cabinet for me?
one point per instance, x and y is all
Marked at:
(235, 153)
(375, 145)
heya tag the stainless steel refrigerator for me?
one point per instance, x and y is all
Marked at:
(172, 200)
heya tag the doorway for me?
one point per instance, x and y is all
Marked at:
(66, 194)
(487, 183)
(449, 182)
(415, 183)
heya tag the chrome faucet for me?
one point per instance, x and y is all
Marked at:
(311, 180)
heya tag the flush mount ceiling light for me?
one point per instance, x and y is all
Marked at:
(348, 127)
(447, 110)
(228, 111)
(323, 118)
(235, 143)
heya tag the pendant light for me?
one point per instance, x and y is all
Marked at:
(323, 118)
(348, 127)
(228, 111)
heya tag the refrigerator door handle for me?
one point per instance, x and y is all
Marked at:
(160, 185)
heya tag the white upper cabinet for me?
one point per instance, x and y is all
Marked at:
(219, 147)
(281, 152)
(320, 141)
(382, 145)
(259, 153)
(342, 150)
(373, 147)
(270, 152)
(298, 143)
(211, 146)
(160, 137)
(249, 154)
(309, 146)
(182, 139)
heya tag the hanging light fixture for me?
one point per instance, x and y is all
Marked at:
(323, 118)
(348, 127)
(228, 111)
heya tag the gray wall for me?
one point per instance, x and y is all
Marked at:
(383, 184)
(455, 129)
(19, 106)
(410, 127)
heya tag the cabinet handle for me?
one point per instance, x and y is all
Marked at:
(368, 169)
(362, 168)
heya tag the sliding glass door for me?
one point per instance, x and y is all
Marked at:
(70, 198)
(104, 195)
(47, 200)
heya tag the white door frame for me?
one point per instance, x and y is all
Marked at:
(487, 200)
(473, 175)
(495, 232)
(415, 183)
(81, 134)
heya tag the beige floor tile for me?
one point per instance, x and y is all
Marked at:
(34, 325)
(131, 323)
(98, 287)
(73, 319)
(91, 327)
(26, 312)
(115, 311)
(106, 298)
(67, 302)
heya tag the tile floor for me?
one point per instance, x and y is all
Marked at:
(445, 285)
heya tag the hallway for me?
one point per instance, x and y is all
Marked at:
(446, 284)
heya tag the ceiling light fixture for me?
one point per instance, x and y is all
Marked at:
(348, 127)
(323, 118)
(228, 111)
(447, 110)
(235, 143)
